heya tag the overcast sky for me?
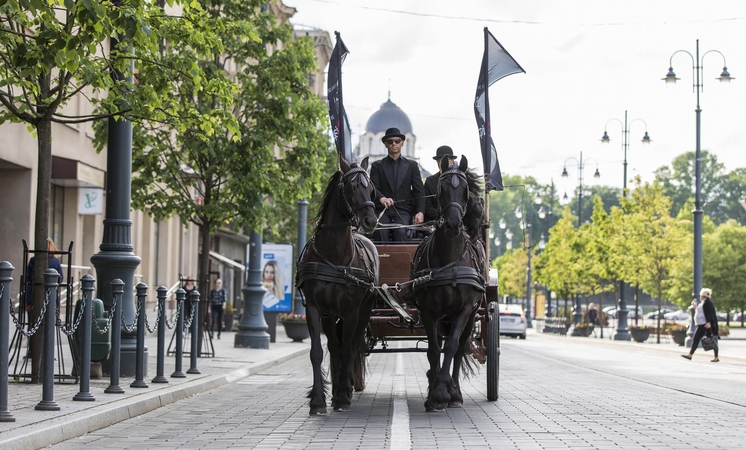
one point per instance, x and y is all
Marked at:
(586, 62)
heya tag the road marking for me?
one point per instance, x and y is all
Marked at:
(400, 434)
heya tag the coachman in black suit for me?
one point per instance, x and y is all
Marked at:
(431, 184)
(398, 188)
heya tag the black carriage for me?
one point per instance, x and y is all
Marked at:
(396, 318)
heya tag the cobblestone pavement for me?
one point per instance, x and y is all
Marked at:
(555, 393)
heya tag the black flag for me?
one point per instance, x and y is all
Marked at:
(496, 64)
(337, 114)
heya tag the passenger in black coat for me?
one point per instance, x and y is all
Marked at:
(398, 188)
(431, 184)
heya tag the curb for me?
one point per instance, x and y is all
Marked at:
(62, 428)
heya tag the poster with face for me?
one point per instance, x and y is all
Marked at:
(277, 277)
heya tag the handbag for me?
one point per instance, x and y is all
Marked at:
(710, 342)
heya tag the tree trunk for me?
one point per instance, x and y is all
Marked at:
(41, 232)
(203, 279)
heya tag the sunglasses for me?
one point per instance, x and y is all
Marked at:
(393, 141)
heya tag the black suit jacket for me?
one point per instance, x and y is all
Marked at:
(431, 203)
(407, 189)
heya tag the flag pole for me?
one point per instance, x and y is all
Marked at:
(488, 130)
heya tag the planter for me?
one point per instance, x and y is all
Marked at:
(583, 330)
(678, 336)
(228, 322)
(640, 334)
(297, 331)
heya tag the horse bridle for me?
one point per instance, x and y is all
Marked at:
(458, 176)
(346, 178)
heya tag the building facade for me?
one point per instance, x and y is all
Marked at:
(388, 115)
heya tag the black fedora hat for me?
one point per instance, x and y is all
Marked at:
(393, 132)
(442, 151)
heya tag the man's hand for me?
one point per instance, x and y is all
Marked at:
(419, 218)
(387, 202)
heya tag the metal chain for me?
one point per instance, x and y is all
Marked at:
(131, 329)
(108, 321)
(157, 319)
(71, 331)
(174, 318)
(188, 323)
(38, 322)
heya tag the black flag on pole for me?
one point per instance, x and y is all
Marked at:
(337, 114)
(496, 64)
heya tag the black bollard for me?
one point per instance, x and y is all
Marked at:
(6, 272)
(117, 291)
(180, 295)
(195, 332)
(142, 294)
(84, 395)
(159, 378)
(51, 283)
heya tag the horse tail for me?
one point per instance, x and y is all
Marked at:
(474, 355)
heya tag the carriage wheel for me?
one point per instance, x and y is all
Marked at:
(493, 351)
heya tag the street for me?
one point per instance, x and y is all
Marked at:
(554, 393)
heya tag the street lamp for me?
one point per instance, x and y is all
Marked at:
(622, 332)
(526, 224)
(578, 316)
(625, 141)
(580, 168)
(698, 69)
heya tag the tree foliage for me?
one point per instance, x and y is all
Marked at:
(57, 50)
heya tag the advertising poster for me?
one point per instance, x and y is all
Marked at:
(277, 277)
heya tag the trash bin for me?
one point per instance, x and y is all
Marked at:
(100, 343)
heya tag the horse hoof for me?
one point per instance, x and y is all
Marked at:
(342, 409)
(319, 411)
(455, 405)
(431, 408)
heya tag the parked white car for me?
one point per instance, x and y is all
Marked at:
(677, 315)
(512, 321)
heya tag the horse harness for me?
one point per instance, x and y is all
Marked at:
(457, 177)
(335, 273)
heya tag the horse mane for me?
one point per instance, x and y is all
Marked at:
(328, 194)
(474, 207)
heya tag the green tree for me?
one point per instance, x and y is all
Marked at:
(54, 51)
(275, 157)
(724, 265)
(555, 267)
(609, 197)
(655, 239)
(678, 183)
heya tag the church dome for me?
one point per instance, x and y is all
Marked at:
(389, 115)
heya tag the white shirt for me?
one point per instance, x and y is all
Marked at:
(699, 316)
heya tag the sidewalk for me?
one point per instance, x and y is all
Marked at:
(732, 348)
(35, 429)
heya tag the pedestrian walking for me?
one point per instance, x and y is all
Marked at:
(218, 299)
(592, 314)
(705, 317)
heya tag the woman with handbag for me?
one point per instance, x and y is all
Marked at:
(705, 317)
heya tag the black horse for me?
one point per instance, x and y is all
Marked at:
(453, 258)
(337, 271)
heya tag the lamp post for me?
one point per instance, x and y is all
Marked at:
(578, 316)
(622, 332)
(698, 69)
(580, 168)
(625, 140)
(526, 224)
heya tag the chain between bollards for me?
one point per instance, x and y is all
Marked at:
(180, 295)
(117, 290)
(51, 283)
(6, 272)
(195, 334)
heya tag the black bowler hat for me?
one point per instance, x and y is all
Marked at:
(393, 132)
(442, 151)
